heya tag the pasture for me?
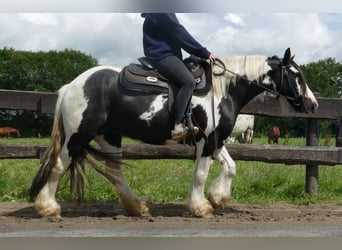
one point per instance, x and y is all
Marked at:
(169, 180)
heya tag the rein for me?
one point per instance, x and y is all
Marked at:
(221, 65)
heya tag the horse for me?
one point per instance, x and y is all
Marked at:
(7, 131)
(242, 130)
(93, 107)
(273, 135)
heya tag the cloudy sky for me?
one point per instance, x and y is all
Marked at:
(116, 38)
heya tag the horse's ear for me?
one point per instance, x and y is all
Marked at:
(287, 56)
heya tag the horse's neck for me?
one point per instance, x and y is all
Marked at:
(250, 67)
(243, 94)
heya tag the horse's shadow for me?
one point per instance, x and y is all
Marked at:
(113, 209)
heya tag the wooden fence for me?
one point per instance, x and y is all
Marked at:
(311, 155)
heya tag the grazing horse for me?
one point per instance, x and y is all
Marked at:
(95, 107)
(7, 131)
(243, 129)
(273, 135)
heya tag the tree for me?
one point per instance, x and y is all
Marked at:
(38, 71)
(41, 71)
(325, 77)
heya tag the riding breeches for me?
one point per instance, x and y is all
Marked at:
(175, 70)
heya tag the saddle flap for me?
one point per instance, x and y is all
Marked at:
(136, 77)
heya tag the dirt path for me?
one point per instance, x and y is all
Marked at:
(108, 219)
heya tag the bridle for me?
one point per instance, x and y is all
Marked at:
(284, 74)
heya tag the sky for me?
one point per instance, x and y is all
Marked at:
(116, 38)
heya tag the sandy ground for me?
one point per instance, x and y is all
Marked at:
(172, 219)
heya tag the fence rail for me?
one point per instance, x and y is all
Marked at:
(289, 155)
(44, 102)
(312, 155)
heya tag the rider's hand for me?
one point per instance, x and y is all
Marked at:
(212, 57)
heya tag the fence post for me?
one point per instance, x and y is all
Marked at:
(312, 139)
(338, 135)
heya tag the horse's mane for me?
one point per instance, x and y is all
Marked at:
(250, 66)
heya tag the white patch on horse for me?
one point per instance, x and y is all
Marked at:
(295, 71)
(207, 105)
(156, 106)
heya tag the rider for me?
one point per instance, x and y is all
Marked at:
(163, 39)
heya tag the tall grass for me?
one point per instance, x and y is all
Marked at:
(169, 180)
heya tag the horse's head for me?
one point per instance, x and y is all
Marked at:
(288, 80)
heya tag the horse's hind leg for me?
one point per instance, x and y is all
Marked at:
(45, 202)
(132, 203)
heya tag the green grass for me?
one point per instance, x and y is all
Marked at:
(169, 180)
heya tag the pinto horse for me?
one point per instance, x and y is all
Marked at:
(273, 135)
(243, 129)
(94, 107)
(7, 131)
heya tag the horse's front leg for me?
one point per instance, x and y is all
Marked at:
(220, 190)
(197, 204)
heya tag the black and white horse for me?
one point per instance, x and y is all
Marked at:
(93, 107)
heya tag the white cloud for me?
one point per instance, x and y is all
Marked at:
(234, 19)
(39, 18)
(116, 38)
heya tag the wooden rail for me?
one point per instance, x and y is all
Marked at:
(289, 155)
(329, 108)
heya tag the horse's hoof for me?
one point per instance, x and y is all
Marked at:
(203, 211)
(219, 203)
(47, 209)
(138, 209)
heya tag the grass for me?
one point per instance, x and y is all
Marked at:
(169, 180)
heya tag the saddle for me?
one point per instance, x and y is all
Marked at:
(137, 79)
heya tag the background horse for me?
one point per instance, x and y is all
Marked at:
(95, 106)
(243, 129)
(7, 131)
(273, 135)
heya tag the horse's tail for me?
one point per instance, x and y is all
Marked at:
(94, 158)
(50, 156)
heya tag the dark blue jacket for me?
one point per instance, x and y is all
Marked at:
(163, 35)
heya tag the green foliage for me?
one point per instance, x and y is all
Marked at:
(41, 71)
(324, 77)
